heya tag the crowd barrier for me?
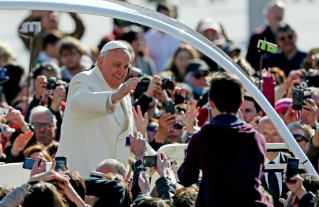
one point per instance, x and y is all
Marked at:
(13, 174)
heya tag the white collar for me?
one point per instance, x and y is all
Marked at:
(276, 160)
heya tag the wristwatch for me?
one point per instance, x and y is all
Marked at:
(316, 127)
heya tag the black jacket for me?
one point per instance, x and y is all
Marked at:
(285, 189)
(110, 192)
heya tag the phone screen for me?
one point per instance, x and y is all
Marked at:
(297, 99)
(28, 163)
(127, 142)
(292, 169)
(60, 164)
(150, 161)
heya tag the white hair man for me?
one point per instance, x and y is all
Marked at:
(111, 166)
(272, 181)
(44, 123)
(98, 115)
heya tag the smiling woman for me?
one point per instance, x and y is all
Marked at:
(163, 23)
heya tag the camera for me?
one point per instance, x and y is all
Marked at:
(311, 79)
(52, 83)
(168, 83)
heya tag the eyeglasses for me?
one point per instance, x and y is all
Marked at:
(38, 125)
(289, 37)
(299, 137)
(275, 135)
(178, 126)
(198, 75)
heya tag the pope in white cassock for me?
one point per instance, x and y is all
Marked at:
(98, 115)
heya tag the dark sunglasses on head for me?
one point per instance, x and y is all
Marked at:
(299, 137)
(284, 38)
(199, 75)
(178, 126)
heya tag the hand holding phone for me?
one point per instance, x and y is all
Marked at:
(150, 161)
(292, 169)
(61, 165)
(297, 99)
(28, 163)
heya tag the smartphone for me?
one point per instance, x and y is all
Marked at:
(150, 161)
(28, 163)
(127, 142)
(297, 99)
(267, 46)
(306, 94)
(170, 108)
(292, 169)
(60, 164)
(95, 174)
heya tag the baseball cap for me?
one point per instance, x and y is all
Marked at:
(195, 66)
(113, 45)
(210, 25)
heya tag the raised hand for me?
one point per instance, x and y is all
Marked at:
(125, 88)
(296, 188)
(16, 118)
(155, 85)
(138, 145)
(165, 122)
(40, 85)
(140, 121)
(21, 142)
(59, 94)
(291, 115)
(309, 112)
(267, 73)
(144, 184)
(189, 117)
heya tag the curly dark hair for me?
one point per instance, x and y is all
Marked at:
(185, 197)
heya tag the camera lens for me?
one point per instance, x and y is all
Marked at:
(168, 83)
(52, 83)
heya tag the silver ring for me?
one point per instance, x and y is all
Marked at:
(126, 84)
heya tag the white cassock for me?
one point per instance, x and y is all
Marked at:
(93, 129)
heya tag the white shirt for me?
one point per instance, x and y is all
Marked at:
(161, 47)
(278, 174)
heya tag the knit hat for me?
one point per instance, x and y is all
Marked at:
(282, 105)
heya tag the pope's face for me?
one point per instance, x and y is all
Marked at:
(114, 66)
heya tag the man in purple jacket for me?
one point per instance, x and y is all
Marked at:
(229, 152)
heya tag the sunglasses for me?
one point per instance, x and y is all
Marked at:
(151, 128)
(198, 75)
(299, 137)
(178, 126)
(289, 37)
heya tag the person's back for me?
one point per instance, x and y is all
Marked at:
(231, 159)
(229, 152)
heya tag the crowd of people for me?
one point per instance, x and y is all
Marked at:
(153, 88)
